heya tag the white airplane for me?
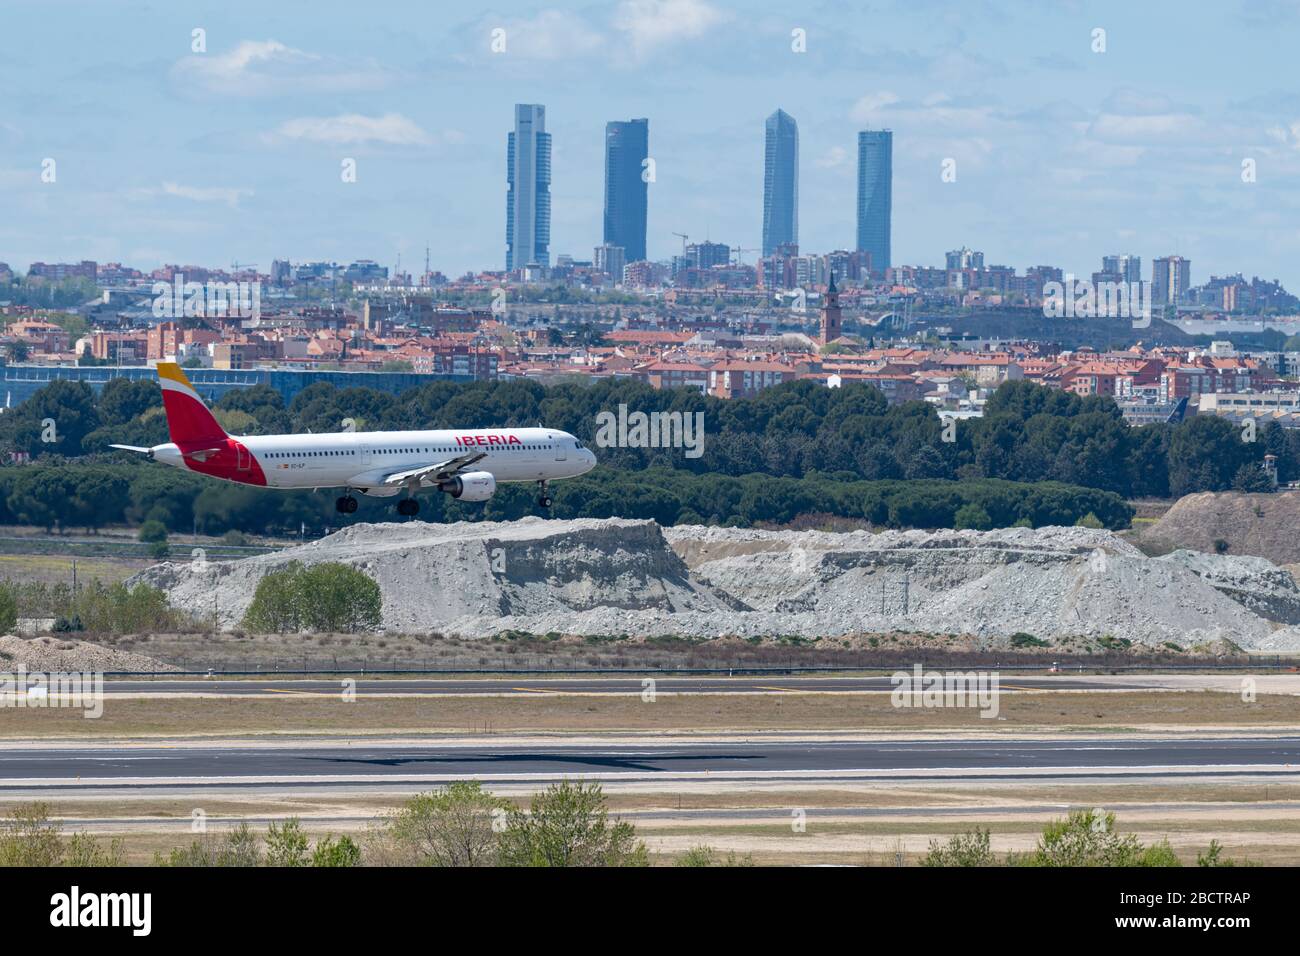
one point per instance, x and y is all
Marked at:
(382, 464)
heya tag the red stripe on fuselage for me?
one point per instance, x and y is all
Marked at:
(225, 462)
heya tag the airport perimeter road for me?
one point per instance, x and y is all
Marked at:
(378, 763)
(519, 686)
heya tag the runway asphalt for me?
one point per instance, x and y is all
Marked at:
(400, 762)
(437, 687)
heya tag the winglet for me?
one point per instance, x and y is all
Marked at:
(188, 419)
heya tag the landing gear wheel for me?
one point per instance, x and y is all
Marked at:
(346, 505)
(543, 498)
(545, 501)
(408, 507)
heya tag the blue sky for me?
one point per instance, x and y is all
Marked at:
(1062, 154)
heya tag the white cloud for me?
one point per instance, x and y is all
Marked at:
(229, 196)
(834, 157)
(269, 67)
(868, 107)
(353, 128)
(551, 35)
(1116, 128)
(649, 24)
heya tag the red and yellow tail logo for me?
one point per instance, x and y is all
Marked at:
(188, 419)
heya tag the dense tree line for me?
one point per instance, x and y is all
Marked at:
(1038, 455)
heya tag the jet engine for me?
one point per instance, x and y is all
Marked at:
(471, 486)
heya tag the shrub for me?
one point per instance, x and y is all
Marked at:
(340, 852)
(962, 849)
(451, 826)
(972, 516)
(153, 532)
(324, 597)
(567, 825)
(1085, 838)
(286, 844)
(8, 608)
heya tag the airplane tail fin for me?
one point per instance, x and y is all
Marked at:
(188, 419)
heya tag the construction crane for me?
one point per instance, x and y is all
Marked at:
(684, 237)
(740, 254)
(240, 266)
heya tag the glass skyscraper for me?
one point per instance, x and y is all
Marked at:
(528, 198)
(780, 182)
(627, 145)
(875, 189)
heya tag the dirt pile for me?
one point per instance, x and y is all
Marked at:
(70, 656)
(1262, 525)
(615, 576)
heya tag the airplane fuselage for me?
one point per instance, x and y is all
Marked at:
(362, 459)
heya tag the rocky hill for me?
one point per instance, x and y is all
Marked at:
(1264, 525)
(616, 576)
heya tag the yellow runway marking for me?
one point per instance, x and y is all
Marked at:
(532, 690)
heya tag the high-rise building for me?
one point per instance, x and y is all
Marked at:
(1127, 268)
(780, 182)
(627, 146)
(528, 197)
(875, 195)
(706, 255)
(1171, 277)
(610, 259)
(964, 258)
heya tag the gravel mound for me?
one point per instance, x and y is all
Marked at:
(618, 576)
(58, 654)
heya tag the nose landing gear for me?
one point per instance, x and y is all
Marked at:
(543, 498)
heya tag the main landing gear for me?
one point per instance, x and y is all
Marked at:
(543, 498)
(408, 507)
(346, 505)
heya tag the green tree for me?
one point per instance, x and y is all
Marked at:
(323, 597)
(568, 825)
(972, 516)
(340, 852)
(454, 825)
(286, 844)
(29, 838)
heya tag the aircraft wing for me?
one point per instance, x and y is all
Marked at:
(434, 473)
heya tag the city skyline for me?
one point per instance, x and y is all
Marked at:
(166, 155)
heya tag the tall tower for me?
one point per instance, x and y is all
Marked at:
(780, 182)
(1171, 277)
(528, 196)
(875, 195)
(831, 315)
(627, 146)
